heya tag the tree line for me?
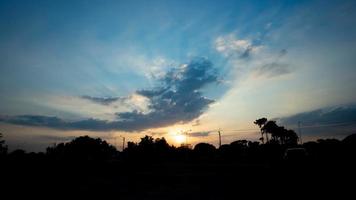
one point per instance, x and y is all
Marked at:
(275, 140)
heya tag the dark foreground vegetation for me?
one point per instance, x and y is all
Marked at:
(152, 169)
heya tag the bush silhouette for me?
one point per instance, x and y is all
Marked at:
(83, 148)
(3, 147)
(148, 150)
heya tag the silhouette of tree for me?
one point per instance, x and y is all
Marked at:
(225, 152)
(279, 134)
(131, 145)
(18, 155)
(239, 148)
(162, 149)
(201, 166)
(3, 147)
(146, 141)
(270, 127)
(291, 137)
(148, 149)
(204, 150)
(350, 149)
(161, 144)
(350, 140)
(83, 148)
(261, 122)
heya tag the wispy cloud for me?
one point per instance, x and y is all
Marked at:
(230, 46)
(259, 59)
(272, 70)
(274, 67)
(101, 100)
(200, 134)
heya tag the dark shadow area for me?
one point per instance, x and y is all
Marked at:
(153, 169)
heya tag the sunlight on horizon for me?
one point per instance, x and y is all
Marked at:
(162, 69)
(176, 135)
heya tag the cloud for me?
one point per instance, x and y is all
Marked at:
(34, 120)
(55, 138)
(176, 99)
(230, 46)
(335, 121)
(196, 123)
(262, 61)
(101, 100)
(56, 123)
(325, 116)
(273, 66)
(200, 134)
(273, 69)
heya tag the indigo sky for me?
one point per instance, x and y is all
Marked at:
(110, 68)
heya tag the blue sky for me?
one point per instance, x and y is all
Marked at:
(108, 68)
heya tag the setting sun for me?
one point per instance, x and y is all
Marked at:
(179, 138)
(177, 135)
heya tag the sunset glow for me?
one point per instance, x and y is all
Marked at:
(179, 138)
(167, 67)
(177, 99)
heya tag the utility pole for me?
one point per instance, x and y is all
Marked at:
(115, 142)
(219, 137)
(186, 137)
(300, 133)
(123, 142)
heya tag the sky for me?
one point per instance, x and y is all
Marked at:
(114, 69)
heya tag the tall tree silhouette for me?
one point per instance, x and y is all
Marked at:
(270, 127)
(279, 134)
(261, 122)
(291, 137)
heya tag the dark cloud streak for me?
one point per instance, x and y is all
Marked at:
(273, 70)
(336, 121)
(324, 116)
(200, 134)
(101, 100)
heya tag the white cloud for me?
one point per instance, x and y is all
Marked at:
(249, 60)
(229, 45)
